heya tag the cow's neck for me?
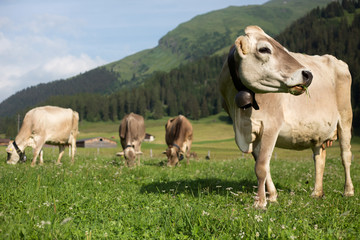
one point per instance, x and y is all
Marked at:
(245, 98)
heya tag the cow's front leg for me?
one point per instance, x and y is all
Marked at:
(263, 148)
(36, 154)
(319, 161)
(271, 187)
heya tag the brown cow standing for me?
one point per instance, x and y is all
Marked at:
(48, 124)
(132, 133)
(178, 137)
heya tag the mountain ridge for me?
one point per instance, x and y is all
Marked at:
(204, 35)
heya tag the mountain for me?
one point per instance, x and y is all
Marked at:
(209, 34)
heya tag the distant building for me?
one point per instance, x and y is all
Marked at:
(4, 141)
(97, 142)
(149, 137)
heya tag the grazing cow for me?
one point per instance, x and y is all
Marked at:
(178, 137)
(132, 133)
(259, 64)
(50, 125)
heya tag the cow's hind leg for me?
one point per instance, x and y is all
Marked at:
(319, 155)
(346, 155)
(73, 150)
(61, 153)
(41, 157)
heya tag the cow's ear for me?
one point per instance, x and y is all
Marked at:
(242, 46)
(120, 154)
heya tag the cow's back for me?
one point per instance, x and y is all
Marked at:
(132, 128)
(178, 129)
(54, 124)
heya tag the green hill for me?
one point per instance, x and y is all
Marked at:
(205, 35)
(210, 34)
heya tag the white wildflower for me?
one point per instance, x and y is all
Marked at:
(258, 218)
(205, 213)
(66, 220)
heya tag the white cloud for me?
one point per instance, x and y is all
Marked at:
(14, 78)
(70, 65)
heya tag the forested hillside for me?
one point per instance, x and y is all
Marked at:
(203, 36)
(192, 89)
(334, 30)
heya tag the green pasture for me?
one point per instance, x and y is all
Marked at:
(99, 198)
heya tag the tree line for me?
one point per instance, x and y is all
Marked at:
(333, 30)
(192, 89)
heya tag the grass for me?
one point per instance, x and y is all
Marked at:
(99, 198)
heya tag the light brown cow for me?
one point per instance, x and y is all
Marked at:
(50, 125)
(132, 133)
(312, 120)
(178, 137)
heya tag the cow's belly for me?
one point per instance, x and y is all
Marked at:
(306, 134)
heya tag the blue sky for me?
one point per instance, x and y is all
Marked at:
(42, 41)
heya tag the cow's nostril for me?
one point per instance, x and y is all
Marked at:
(307, 76)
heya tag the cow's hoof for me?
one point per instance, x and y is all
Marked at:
(317, 194)
(273, 199)
(260, 205)
(349, 193)
(32, 165)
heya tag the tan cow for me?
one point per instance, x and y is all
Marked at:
(132, 133)
(178, 137)
(259, 64)
(50, 125)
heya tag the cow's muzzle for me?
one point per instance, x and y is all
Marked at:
(301, 88)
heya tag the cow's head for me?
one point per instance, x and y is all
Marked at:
(14, 154)
(266, 66)
(174, 155)
(130, 154)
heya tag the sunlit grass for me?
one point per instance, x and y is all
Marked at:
(98, 197)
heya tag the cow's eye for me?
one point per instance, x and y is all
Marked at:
(265, 50)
